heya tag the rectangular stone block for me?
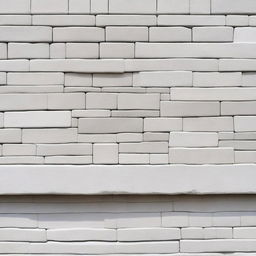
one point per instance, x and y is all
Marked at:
(189, 108)
(238, 108)
(49, 6)
(132, 6)
(173, 6)
(195, 50)
(105, 153)
(37, 119)
(11, 20)
(19, 149)
(170, 34)
(68, 160)
(66, 101)
(110, 125)
(214, 79)
(158, 159)
(138, 101)
(212, 34)
(211, 124)
(10, 135)
(193, 139)
(79, 6)
(163, 79)
(82, 50)
(217, 94)
(76, 79)
(200, 6)
(201, 156)
(144, 147)
(126, 20)
(14, 6)
(245, 123)
(35, 78)
(25, 34)
(109, 80)
(175, 219)
(101, 101)
(78, 34)
(99, 6)
(63, 20)
(29, 51)
(117, 50)
(148, 234)
(245, 232)
(237, 20)
(245, 35)
(49, 135)
(64, 149)
(228, 6)
(127, 34)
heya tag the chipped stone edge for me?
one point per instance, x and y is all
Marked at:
(124, 179)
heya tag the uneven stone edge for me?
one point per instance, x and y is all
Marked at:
(134, 179)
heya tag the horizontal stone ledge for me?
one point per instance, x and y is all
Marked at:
(132, 179)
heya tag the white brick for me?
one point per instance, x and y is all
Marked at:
(173, 6)
(127, 34)
(148, 234)
(23, 101)
(132, 6)
(138, 101)
(49, 6)
(170, 34)
(19, 149)
(18, 221)
(79, 6)
(219, 245)
(195, 50)
(174, 219)
(26, 34)
(97, 138)
(191, 20)
(200, 219)
(29, 51)
(68, 160)
(237, 20)
(82, 50)
(228, 6)
(237, 65)
(221, 94)
(245, 123)
(201, 156)
(117, 50)
(245, 232)
(10, 135)
(105, 153)
(192, 233)
(103, 80)
(13, 65)
(22, 234)
(35, 78)
(133, 158)
(193, 139)
(63, 20)
(110, 125)
(245, 156)
(212, 79)
(155, 136)
(126, 20)
(66, 101)
(226, 219)
(12, 20)
(248, 79)
(144, 147)
(162, 124)
(14, 6)
(200, 6)
(91, 113)
(212, 34)
(245, 34)
(99, 6)
(76, 79)
(49, 135)
(211, 124)
(163, 79)
(238, 108)
(218, 233)
(64, 149)
(252, 21)
(189, 108)
(78, 34)
(101, 101)
(2, 78)
(38, 119)
(58, 51)
(81, 234)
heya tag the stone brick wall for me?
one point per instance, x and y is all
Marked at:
(178, 226)
(127, 81)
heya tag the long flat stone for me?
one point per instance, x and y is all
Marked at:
(133, 179)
